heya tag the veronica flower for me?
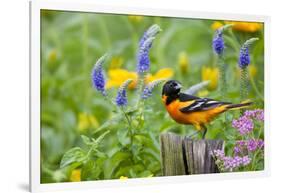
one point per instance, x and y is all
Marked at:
(144, 47)
(218, 42)
(121, 98)
(218, 47)
(98, 78)
(244, 61)
(244, 56)
(151, 32)
(147, 92)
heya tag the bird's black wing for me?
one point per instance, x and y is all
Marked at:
(186, 97)
(199, 104)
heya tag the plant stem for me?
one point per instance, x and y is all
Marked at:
(222, 82)
(244, 85)
(222, 76)
(129, 126)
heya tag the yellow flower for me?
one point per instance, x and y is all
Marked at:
(203, 93)
(116, 62)
(245, 26)
(119, 76)
(212, 75)
(163, 73)
(183, 62)
(135, 18)
(253, 70)
(216, 25)
(86, 121)
(239, 26)
(52, 57)
(123, 178)
(75, 175)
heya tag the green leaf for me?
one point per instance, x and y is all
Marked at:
(111, 121)
(86, 140)
(73, 155)
(90, 171)
(100, 138)
(123, 137)
(114, 162)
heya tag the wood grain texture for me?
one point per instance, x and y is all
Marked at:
(185, 156)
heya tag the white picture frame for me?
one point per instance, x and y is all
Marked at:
(36, 6)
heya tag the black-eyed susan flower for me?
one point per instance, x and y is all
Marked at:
(211, 74)
(253, 70)
(183, 62)
(163, 73)
(75, 175)
(216, 25)
(245, 26)
(117, 76)
(53, 55)
(86, 121)
(116, 62)
(248, 27)
(135, 18)
(123, 178)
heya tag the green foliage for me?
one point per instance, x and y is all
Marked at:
(74, 155)
(81, 130)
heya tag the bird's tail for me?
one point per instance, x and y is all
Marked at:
(242, 105)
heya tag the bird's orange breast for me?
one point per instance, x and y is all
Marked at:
(195, 118)
(174, 110)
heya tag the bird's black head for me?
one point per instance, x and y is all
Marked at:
(171, 88)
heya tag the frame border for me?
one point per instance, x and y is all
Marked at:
(35, 104)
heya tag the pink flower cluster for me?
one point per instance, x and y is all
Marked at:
(230, 163)
(250, 145)
(245, 123)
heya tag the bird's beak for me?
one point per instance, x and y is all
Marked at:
(179, 86)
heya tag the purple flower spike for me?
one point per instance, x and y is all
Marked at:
(98, 78)
(121, 98)
(218, 42)
(144, 47)
(147, 92)
(244, 57)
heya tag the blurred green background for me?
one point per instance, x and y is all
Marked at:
(71, 42)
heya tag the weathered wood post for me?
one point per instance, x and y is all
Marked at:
(185, 156)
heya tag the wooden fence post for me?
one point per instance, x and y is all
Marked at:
(185, 156)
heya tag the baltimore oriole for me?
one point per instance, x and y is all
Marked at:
(191, 110)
